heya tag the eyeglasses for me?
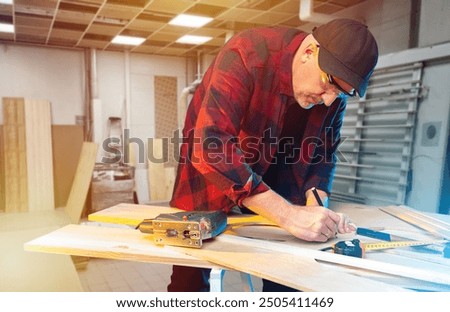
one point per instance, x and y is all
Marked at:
(327, 78)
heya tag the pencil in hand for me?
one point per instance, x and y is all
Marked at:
(316, 195)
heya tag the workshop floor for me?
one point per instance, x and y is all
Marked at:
(103, 275)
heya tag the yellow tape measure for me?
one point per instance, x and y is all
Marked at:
(387, 245)
(355, 248)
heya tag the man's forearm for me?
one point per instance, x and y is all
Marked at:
(311, 223)
(269, 205)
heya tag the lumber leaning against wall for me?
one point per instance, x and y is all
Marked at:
(38, 134)
(81, 182)
(28, 178)
(2, 172)
(67, 141)
(16, 186)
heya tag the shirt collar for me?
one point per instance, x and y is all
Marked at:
(287, 58)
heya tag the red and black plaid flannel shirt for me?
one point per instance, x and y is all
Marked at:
(234, 121)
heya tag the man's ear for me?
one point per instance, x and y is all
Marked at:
(307, 54)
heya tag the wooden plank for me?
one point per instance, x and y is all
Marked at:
(81, 182)
(439, 276)
(39, 155)
(301, 271)
(110, 243)
(131, 161)
(156, 171)
(369, 216)
(132, 215)
(2, 172)
(16, 186)
(432, 225)
(67, 141)
(129, 214)
(169, 178)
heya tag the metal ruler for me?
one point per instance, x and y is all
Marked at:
(355, 248)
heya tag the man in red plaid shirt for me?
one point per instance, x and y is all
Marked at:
(263, 126)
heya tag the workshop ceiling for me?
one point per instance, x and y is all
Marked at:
(94, 23)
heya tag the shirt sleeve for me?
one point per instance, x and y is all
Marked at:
(321, 172)
(216, 152)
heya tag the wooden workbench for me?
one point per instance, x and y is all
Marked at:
(279, 257)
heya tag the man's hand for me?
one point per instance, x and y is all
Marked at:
(345, 225)
(310, 223)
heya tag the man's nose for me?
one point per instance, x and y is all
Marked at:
(328, 99)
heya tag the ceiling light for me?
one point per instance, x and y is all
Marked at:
(190, 20)
(128, 40)
(6, 1)
(9, 28)
(189, 39)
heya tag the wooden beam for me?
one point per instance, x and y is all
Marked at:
(67, 141)
(81, 182)
(439, 277)
(169, 179)
(110, 243)
(432, 225)
(129, 214)
(156, 171)
(300, 271)
(2, 172)
(39, 155)
(28, 177)
(16, 186)
(133, 214)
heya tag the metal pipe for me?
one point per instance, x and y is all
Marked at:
(127, 103)
(91, 91)
(199, 65)
(94, 79)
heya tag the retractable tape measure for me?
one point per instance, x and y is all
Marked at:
(355, 248)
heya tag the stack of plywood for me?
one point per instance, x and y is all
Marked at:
(27, 156)
(27, 185)
(26, 160)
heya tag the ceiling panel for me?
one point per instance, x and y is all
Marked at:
(174, 7)
(119, 12)
(65, 34)
(270, 17)
(238, 14)
(104, 29)
(93, 23)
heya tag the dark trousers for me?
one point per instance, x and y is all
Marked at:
(188, 279)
